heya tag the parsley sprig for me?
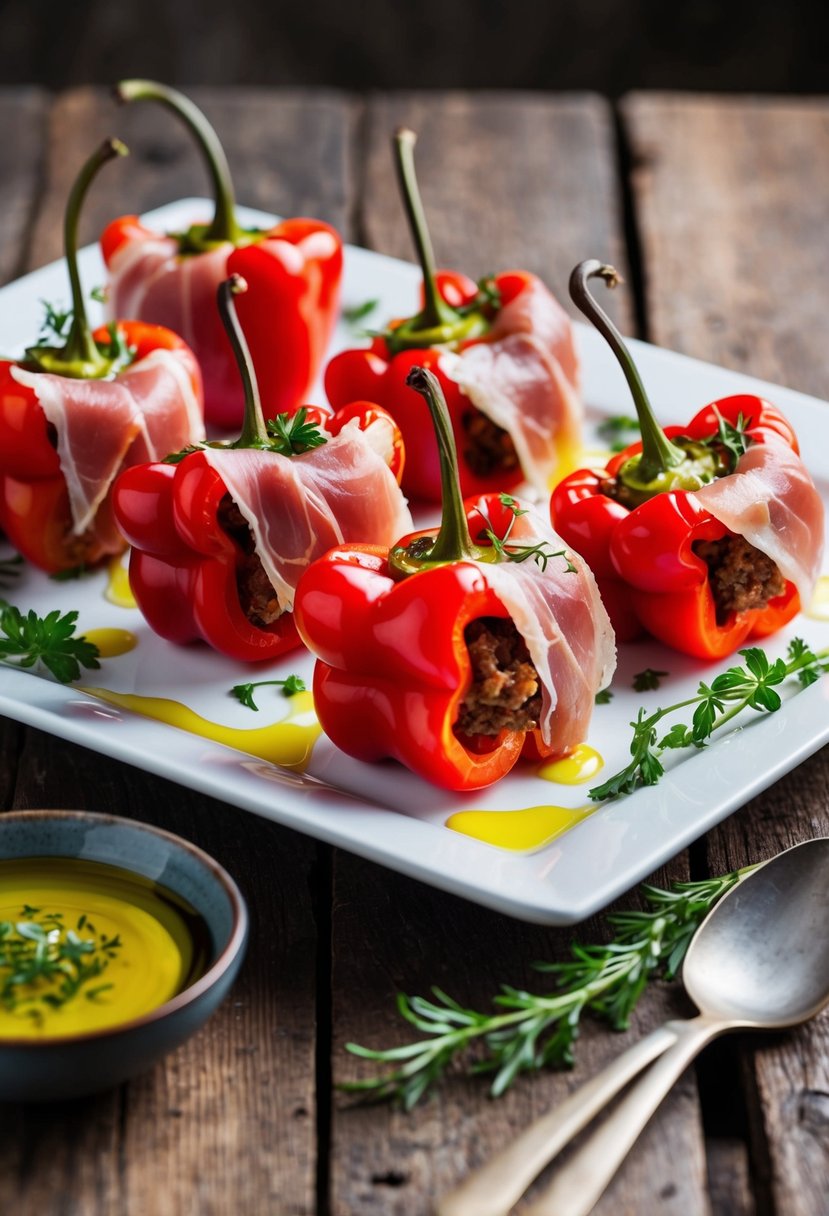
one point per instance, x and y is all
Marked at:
(292, 434)
(44, 965)
(751, 686)
(50, 640)
(509, 550)
(290, 686)
(530, 1031)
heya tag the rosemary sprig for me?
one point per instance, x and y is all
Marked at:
(44, 965)
(50, 640)
(290, 686)
(752, 686)
(535, 1031)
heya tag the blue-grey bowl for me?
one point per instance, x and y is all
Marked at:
(70, 1066)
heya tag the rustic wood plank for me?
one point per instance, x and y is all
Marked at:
(733, 203)
(227, 1123)
(507, 180)
(391, 934)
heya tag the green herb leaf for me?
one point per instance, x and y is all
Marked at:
(358, 312)
(293, 434)
(619, 431)
(731, 440)
(99, 294)
(603, 697)
(50, 640)
(290, 686)
(55, 324)
(648, 680)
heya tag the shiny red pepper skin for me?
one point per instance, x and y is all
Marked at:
(183, 564)
(374, 374)
(392, 664)
(288, 313)
(648, 574)
(34, 502)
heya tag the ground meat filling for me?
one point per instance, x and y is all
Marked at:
(505, 692)
(488, 448)
(741, 577)
(256, 594)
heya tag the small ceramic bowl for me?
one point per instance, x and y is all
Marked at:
(70, 1066)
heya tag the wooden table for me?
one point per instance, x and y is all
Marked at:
(717, 210)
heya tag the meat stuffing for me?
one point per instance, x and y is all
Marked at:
(741, 577)
(256, 595)
(489, 448)
(505, 692)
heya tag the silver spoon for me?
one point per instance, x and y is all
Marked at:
(759, 961)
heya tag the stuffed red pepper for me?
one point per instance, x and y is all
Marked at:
(73, 415)
(460, 648)
(704, 535)
(293, 272)
(504, 355)
(222, 533)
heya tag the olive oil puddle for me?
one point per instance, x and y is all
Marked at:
(116, 945)
(580, 766)
(521, 831)
(118, 591)
(818, 609)
(288, 743)
(111, 642)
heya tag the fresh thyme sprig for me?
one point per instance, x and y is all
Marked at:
(10, 569)
(55, 323)
(44, 965)
(50, 640)
(752, 686)
(290, 686)
(55, 328)
(292, 434)
(513, 551)
(487, 298)
(533, 1031)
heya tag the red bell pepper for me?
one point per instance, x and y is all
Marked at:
(293, 272)
(388, 628)
(641, 527)
(36, 509)
(456, 315)
(187, 564)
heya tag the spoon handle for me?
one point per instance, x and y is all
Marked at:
(493, 1189)
(577, 1187)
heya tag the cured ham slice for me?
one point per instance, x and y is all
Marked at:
(772, 502)
(102, 426)
(525, 379)
(298, 507)
(560, 615)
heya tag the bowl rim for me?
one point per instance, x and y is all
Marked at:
(235, 942)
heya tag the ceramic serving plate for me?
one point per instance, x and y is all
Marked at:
(275, 764)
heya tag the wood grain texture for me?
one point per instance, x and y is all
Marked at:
(508, 180)
(738, 192)
(497, 194)
(733, 204)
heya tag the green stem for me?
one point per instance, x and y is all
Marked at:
(254, 431)
(658, 453)
(435, 311)
(453, 542)
(225, 226)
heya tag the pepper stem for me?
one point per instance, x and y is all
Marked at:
(453, 542)
(435, 310)
(80, 345)
(658, 453)
(254, 431)
(225, 226)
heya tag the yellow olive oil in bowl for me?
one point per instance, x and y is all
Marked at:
(118, 941)
(85, 946)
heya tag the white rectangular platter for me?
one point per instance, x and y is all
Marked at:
(383, 812)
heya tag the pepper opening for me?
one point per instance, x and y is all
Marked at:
(505, 693)
(740, 576)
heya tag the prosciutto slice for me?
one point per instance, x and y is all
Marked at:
(102, 426)
(772, 502)
(560, 615)
(298, 507)
(525, 378)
